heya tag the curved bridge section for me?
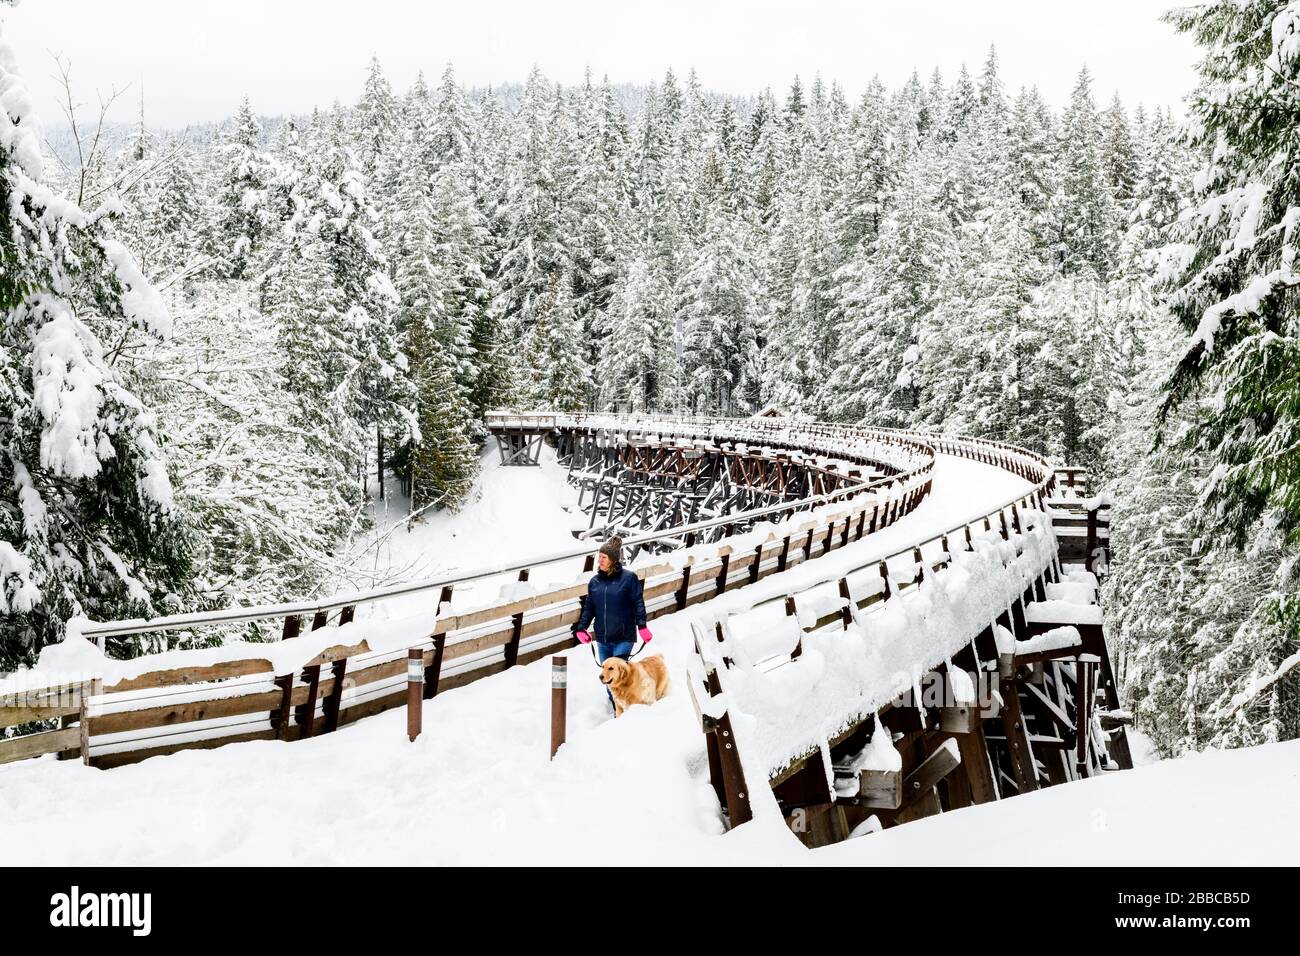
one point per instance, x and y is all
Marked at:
(641, 475)
(803, 503)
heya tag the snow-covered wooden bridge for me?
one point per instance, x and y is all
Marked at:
(811, 685)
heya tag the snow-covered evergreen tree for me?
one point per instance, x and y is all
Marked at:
(239, 215)
(88, 524)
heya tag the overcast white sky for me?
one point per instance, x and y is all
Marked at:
(196, 60)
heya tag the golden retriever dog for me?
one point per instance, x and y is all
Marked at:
(634, 682)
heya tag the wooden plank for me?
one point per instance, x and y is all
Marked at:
(168, 715)
(551, 622)
(35, 745)
(46, 696)
(13, 716)
(124, 757)
(338, 652)
(458, 649)
(460, 622)
(193, 675)
(382, 671)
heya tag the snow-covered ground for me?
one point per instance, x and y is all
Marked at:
(1221, 808)
(510, 513)
(478, 785)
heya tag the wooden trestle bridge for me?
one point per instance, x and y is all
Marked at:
(721, 504)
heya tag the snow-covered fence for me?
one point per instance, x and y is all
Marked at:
(816, 695)
(342, 669)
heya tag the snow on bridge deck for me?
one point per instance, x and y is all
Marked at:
(477, 786)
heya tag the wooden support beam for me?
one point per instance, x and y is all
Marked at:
(733, 774)
(975, 763)
(1013, 726)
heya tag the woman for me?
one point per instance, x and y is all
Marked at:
(615, 604)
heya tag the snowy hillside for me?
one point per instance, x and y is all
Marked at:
(509, 514)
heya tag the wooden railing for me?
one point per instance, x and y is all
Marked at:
(816, 784)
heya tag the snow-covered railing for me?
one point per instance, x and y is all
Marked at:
(342, 670)
(804, 691)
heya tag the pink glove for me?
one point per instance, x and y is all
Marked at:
(645, 634)
(584, 636)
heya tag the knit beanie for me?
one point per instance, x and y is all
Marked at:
(614, 549)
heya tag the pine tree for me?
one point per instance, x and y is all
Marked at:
(1119, 155)
(1197, 624)
(88, 525)
(886, 299)
(534, 253)
(375, 121)
(982, 343)
(1232, 272)
(239, 213)
(556, 382)
(715, 302)
(1082, 211)
(636, 361)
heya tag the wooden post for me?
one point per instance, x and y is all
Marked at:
(96, 688)
(975, 759)
(685, 587)
(559, 701)
(292, 625)
(722, 574)
(785, 554)
(733, 774)
(1082, 698)
(414, 692)
(434, 671)
(307, 711)
(755, 566)
(516, 631)
(1013, 726)
(846, 612)
(347, 615)
(338, 671)
(1090, 544)
(280, 717)
(319, 619)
